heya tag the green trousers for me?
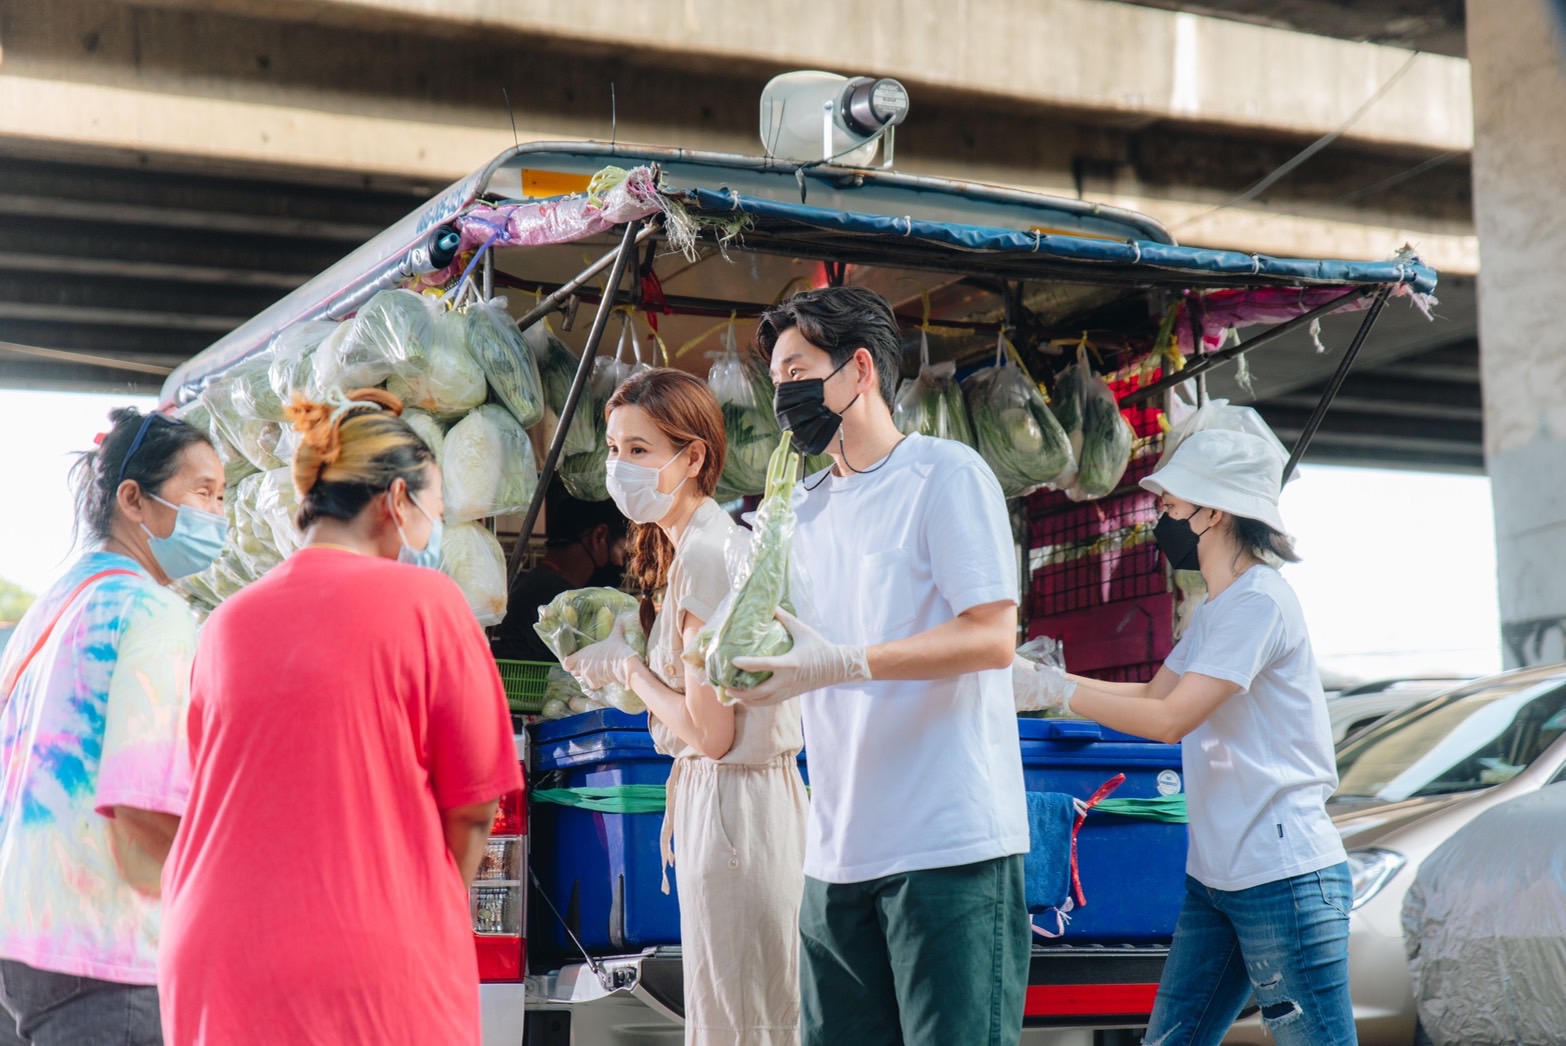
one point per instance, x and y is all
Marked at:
(937, 957)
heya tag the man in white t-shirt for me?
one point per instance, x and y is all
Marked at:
(913, 927)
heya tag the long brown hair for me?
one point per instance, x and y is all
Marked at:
(684, 410)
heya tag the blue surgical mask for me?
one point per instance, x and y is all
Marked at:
(429, 555)
(197, 540)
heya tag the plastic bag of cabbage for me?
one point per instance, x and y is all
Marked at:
(932, 403)
(447, 381)
(1098, 432)
(507, 361)
(584, 616)
(428, 429)
(390, 334)
(1015, 431)
(557, 369)
(744, 393)
(472, 557)
(487, 464)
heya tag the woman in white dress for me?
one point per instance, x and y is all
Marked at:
(736, 803)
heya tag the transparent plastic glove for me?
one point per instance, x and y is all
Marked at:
(1038, 688)
(602, 663)
(812, 663)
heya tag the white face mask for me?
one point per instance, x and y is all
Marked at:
(634, 489)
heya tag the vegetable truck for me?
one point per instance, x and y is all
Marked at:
(663, 255)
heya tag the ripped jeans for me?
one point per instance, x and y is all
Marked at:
(1286, 941)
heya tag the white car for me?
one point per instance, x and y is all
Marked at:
(1351, 710)
(1406, 785)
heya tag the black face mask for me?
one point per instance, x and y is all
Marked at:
(1178, 542)
(801, 409)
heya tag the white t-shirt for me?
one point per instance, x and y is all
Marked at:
(1258, 771)
(909, 775)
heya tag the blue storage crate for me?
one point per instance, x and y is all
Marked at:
(1133, 871)
(600, 870)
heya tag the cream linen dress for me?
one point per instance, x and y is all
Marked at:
(738, 830)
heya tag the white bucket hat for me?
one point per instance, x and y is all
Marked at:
(1235, 472)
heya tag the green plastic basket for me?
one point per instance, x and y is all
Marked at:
(525, 683)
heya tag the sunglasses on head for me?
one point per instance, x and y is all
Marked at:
(141, 436)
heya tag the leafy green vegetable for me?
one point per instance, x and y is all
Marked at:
(501, 351)
(584, 616)
(487, 464)
(557, 368)
(751, 627)
(744, 393)
(447, 382)
(1106, 443)
(1016, 433)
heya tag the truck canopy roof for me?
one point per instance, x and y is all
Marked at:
(961, 258)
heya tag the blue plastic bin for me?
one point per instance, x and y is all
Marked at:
(600, 870)
(1133, 871)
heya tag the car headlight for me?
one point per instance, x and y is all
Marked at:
(1371, 870)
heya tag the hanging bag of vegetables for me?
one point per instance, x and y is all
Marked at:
(1016, 433)
(932, 403)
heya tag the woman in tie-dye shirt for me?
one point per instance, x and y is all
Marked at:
(94, 688)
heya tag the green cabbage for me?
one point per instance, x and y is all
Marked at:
(487, 465)
(932, 404)
(744, 393)
(557, 368)
(390, 334)
(447, 381)
(1016, 432)
(472, 557)
(751, 628)
(1106, 443)
(501, 351)
(429, 430)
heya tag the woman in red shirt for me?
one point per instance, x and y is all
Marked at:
(349, 738)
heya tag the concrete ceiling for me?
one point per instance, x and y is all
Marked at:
(1436, 26)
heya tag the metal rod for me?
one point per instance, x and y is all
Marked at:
(551, 303)
(622, 255)
(1331, 392)
(1211, 360)
(489, 275)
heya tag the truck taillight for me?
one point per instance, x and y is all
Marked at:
(496, 899)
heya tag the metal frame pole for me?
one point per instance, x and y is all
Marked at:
(551, 303)
(1336, 383)
(584, 370)
(1211, 360)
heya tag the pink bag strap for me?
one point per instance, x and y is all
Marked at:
(10, 684)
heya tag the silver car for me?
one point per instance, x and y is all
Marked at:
(1405, 785)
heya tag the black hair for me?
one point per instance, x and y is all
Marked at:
(97, 474)
(839, 321)
(571, 519)
(1263, 542)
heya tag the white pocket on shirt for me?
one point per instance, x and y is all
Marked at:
(886, 607)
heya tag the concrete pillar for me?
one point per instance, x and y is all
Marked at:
(1519, 91)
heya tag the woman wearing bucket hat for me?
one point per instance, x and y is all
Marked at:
(1267, 886)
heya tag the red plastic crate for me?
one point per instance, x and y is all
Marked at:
(1141, 673)
(1112, 635)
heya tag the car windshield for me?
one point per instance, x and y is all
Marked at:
(1468, 739)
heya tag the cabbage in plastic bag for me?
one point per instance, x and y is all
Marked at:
(584, 616)
(744, 393)
(487, 466)
(932, 403)
(429, 430)
(472, 557)
(750, 627)
(242, 408)
(1016, 433)
(292, 353)
(390, 334)
(1107, 438)
(235, 465)
(447, 381)
(506, 359)
(557, 369)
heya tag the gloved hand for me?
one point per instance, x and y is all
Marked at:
(603, 662)
(1037, 688)
(812, 663)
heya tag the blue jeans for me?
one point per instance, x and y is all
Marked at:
(1286, 941)
(57, 1009)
